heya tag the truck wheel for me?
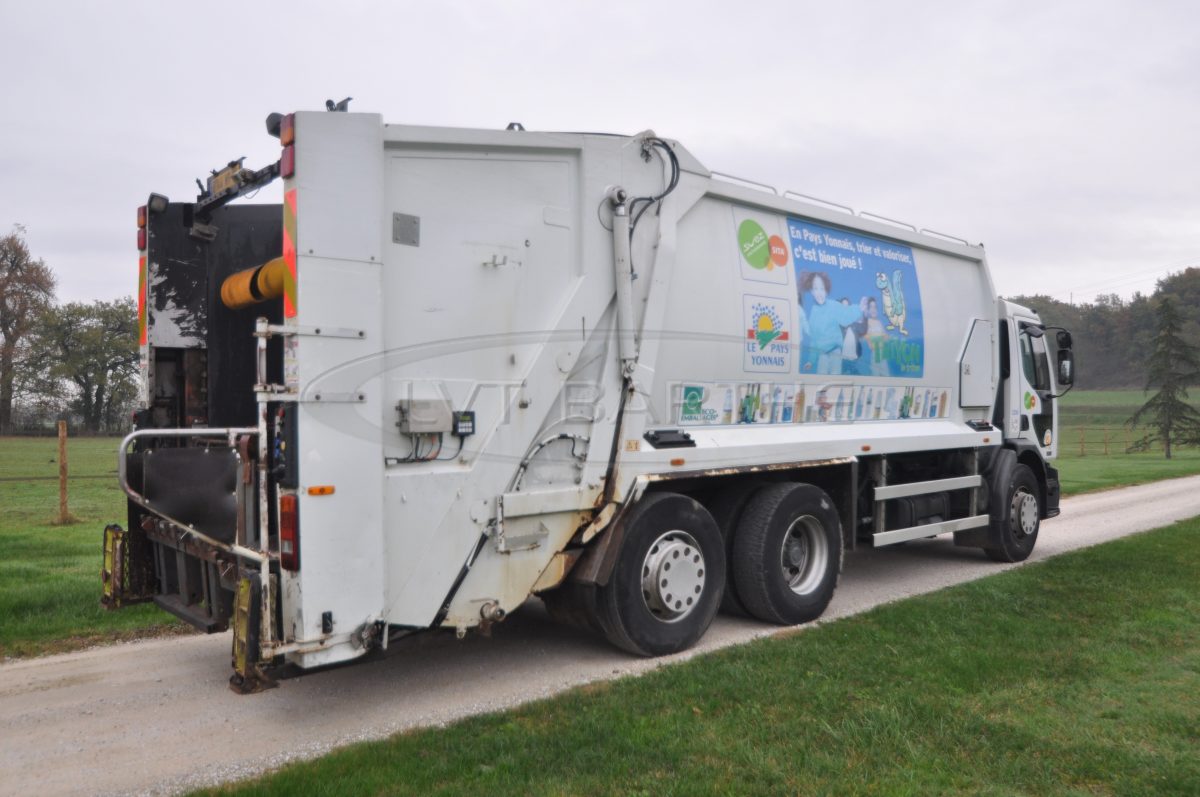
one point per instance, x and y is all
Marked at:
(1015, 532)
(667, 583)
(787, 553)
(726, 506)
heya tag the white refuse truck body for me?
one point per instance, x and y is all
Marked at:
(457, 368)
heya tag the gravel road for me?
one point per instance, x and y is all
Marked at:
(156, 717)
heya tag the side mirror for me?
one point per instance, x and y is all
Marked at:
(1033, 330)
(1064, 339)
(1066, 366)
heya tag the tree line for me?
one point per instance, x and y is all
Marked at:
(76, 361)
(1114, 337)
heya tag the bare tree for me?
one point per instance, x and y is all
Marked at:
(26, 290)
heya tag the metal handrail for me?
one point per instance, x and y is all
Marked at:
(947, 236)
(818, 200)
(862, 214)
(231, 432)
(733, 178)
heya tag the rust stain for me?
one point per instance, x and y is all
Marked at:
(742, 469)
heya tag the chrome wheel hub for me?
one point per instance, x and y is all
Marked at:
(673, 576)
(804, 555)
(1024, 513)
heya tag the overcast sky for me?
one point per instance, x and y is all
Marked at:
(1062, 135)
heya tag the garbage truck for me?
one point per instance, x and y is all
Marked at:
(457, 368)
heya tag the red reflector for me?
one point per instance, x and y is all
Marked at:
(289, 533)
(142, 216)
(287, 130)
(142, 240)
(287, 163)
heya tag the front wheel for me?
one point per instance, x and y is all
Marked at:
(1015, 531)
(667, 583)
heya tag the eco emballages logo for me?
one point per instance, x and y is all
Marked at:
(761, 251)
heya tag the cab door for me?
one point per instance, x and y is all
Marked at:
(1030, 390)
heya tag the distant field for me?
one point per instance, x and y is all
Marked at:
(50, 575)
(1092, 442)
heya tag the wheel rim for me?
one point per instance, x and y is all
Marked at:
(1024, 513)
(804, 555)
(673, 576)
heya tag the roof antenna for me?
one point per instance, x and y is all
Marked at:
(342, 106)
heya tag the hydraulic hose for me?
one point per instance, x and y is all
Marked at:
(254, 285)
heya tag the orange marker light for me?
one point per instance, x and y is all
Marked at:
(141, 216)
(677, 462)
(321, 489)
(866, 448)
(287, 129)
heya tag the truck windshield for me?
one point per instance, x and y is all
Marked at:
(1035, 362)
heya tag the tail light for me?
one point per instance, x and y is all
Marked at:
(287, 138)
(287, 130)
(289, 532)
(142, 216)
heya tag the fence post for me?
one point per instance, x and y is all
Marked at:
(1082, 445)
(1106, 432)
(64, 516)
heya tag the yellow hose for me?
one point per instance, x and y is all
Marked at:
(254, 285)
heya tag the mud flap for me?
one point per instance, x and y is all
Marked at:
(127, 573)
(248, 676)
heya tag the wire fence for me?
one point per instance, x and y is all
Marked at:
(1108, 441)
(70, 478)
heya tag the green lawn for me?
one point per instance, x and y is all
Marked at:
(50, 575)
(1075, 676)
(1092, 441)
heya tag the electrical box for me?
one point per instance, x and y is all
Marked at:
(425, 416)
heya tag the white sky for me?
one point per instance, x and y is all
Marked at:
(1063, 135)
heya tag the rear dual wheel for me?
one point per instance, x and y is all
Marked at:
(726, 506)
(787, 553)
(670, 574)
(667, 583)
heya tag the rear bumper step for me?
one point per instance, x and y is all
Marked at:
(196, 616)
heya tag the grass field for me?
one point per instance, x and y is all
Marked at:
(1076, 676)
(1092, 441)
(50, 575)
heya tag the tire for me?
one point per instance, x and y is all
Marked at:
(787, 553)
(1017, 518)
(726, 506)
(647, 609)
